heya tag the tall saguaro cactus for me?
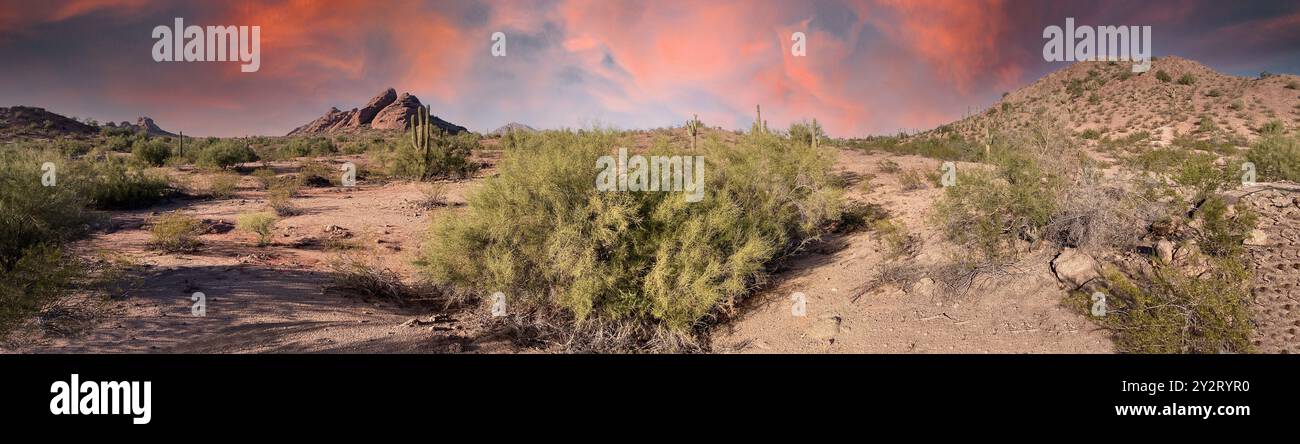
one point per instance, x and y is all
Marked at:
(693, 127)
(422, 139)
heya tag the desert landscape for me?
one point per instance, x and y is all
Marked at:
(1171, 195)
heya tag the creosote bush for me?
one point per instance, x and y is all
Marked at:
(260, 224)
(1276, 157)
(175, 232)
(542, 234)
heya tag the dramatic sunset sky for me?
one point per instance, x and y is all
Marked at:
(873, 66)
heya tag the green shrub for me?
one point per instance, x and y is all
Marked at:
(542, 234)
(41, 273)
(114, 184)
(226, 153)
(1272, 127)
(265, 177)
(31, 213)
(1186, 79)
(175, 232)
(309, 146)
(1276, 157)
(279, 198)
(153, 152)
(260, 224)
(1163, 76)
(989, 212)
(1175, 313)
(1222, 234)
(1090, 134)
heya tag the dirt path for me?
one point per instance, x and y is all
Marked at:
(1016, 313)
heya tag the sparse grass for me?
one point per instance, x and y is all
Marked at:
(175, 232)
(368, 279)
(260, 224)
(223, 185)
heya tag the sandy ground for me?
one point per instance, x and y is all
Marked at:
(266, 299)
(1017, 313)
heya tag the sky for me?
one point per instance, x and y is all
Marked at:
(871, 66)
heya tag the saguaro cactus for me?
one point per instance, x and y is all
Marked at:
(759, 124)
(422, 139)
(693, 128)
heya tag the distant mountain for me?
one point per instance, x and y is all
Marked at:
(386, 111)
(144, 125)
(1176, 98)
(511, 127)
(31, 122)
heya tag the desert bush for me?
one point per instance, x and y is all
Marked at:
(39, 275)
(807, 132)
(1222, 232)
(308, 146)
(114, 184)
(279, 198)
(1163, 76)
(175, 232)
(1293, 85)
(912, 180)
(889, 166)
(1175, 313)
(260, 224)
(542, 234)
(1272, 127)
(153, 151)
(1090, 134)
(1276, 157)
(893, 234)
(1186, 79)
(223, 185)
(265, 177)
(432, 196)
(225, 153)
(31, 213)
(318, 175)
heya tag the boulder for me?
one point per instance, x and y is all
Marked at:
(1075, 268)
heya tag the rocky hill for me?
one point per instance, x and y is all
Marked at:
(510, 128)
(143, 124)
(1177, 98)
(30, 122)
(386, 111)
